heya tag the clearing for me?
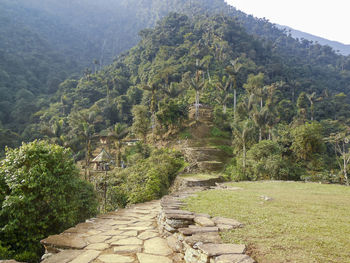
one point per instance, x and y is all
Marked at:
(284, 221)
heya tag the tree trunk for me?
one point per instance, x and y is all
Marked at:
(345, 171)
(244, 158)
(234, 101)
(260, 134)
(224, 108)
(197, 105)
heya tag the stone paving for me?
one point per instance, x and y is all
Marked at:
(126, 236)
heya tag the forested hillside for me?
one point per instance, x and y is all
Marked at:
(48, 41)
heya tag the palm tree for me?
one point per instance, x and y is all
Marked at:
(118, 133)
(241, 134)
(233, 71)
(224, 85)
(153, 87)
(311, 98)
(197, 83)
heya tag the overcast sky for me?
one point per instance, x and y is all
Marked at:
(325, 18)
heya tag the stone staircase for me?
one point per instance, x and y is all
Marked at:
(200, 156)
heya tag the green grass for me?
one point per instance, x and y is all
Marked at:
(303, 223)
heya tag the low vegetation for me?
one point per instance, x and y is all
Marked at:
(40, 194)
(284, 221)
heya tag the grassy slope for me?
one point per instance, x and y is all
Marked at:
(303, 223)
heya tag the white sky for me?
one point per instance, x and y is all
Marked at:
(325, 18)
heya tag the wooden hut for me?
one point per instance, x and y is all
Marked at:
(102, 161)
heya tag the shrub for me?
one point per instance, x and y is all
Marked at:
(41, 195)
(146, 180)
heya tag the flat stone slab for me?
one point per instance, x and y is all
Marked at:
(87, 256)
(127, 241)
(97, 239)
(147, 235)
(233, 258)
(127, 249)
(221, 249)
(227, 221)
(205, 238)
(197, 230)
(132, 233)
(113, 258)
(63, 257)
(64, 241)
(157, 246)
(146, 258)
(174, 211)
(98, 246)
(203, 221)
(180, 216)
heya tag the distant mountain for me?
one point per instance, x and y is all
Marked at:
(343, 49)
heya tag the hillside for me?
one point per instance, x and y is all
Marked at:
(50, 41)
(343, 49)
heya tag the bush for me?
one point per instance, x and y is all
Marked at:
(146, 180)
(264, 162)
(41, 195)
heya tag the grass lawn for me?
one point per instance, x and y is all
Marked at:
(304, 222)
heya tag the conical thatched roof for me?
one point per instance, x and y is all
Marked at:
(103, 157)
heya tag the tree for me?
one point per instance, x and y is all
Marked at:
(41, 194)
(141, 123)
(311, 98)
(242, 132)
(153, 87)
(118, 133)
(224, 85)
(341, 144)
(197, 83)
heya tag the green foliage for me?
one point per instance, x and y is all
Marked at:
(43, 196)
(308, 141)
(146, 180)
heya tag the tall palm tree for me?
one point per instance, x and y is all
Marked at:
(311, 98)
(118, 133)
(241, 134)
(197, 83)
(224, 85)
(233, 71)
(153, 87)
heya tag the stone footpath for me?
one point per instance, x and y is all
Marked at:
(128, 235)
(153, 232)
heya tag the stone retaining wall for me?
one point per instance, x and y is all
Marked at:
(196, 236)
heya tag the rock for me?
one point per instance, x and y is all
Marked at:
(203, 221)
(157, 246)
(197, 230)
(64, 241)
(63, 257)
(146, 258)
(127, 241)
(232, 258)
(224, 227)
(98, 246)
(131, 233)
(97, 239)
(86, 256)
(227, 221)
(113, 258)
(147, 235)
(204, 238)
(174, 244)
(221, 249)
(127, 249)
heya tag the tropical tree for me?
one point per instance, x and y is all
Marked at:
(242, 132)
(197, 83)
(140, 125)
(341, 144)
(223, 85)
(311, 98)
(118, 133)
